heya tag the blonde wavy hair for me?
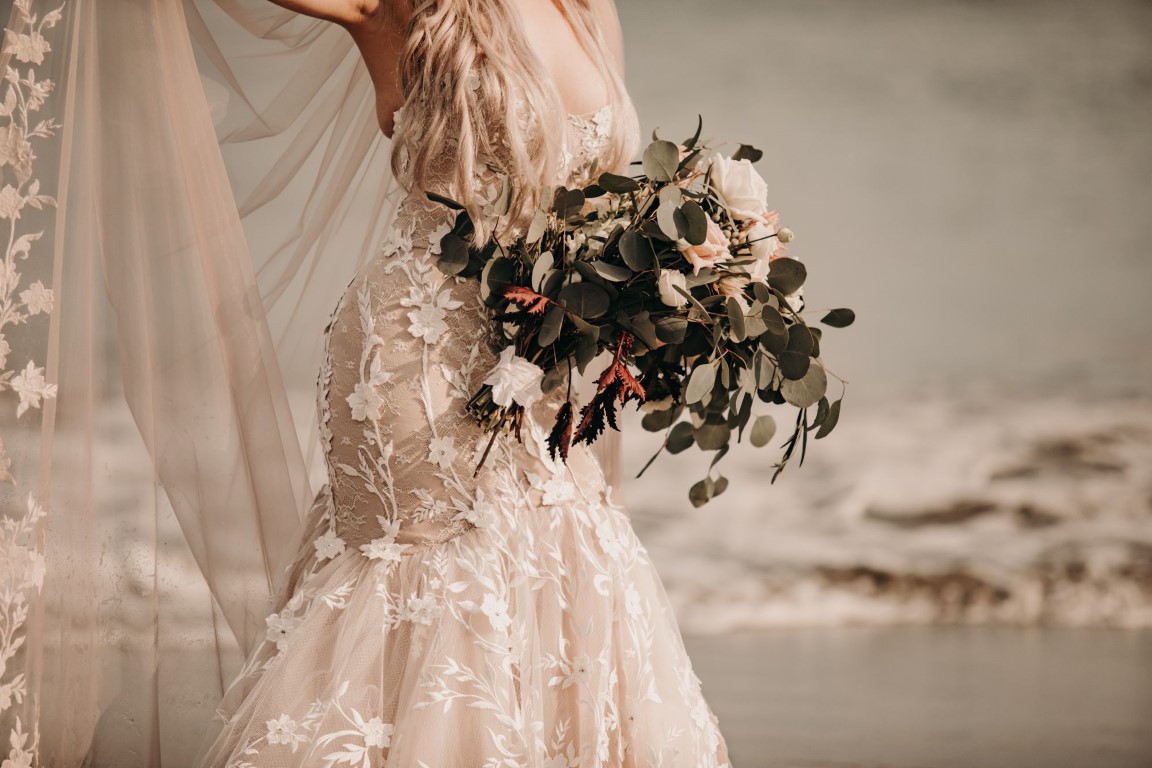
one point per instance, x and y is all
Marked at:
(465, 69)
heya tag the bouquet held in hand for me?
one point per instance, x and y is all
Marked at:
(682, 273)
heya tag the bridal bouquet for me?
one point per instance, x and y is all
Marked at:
(682, 273)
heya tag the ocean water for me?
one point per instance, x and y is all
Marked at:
(973, 179)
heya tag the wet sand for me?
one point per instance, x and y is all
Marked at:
(931, 697)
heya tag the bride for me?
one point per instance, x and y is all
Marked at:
(433, 615)
(441, 617)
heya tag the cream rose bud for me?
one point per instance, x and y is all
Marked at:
(712, 251)
(666, 282)
(741, 186)
(785, 235)
(515, 380)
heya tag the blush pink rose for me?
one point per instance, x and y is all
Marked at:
(712, 251)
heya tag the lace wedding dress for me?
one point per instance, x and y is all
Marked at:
(446, 620)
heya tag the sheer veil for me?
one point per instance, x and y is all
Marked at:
(187, 187)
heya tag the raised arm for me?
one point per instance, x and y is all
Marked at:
(348, 13)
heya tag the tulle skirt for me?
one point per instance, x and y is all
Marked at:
(536, 640)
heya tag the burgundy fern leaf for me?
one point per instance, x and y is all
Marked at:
(560, 438)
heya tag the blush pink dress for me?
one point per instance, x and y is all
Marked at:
(445, 620)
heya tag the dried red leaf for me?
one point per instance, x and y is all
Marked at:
(533, 302)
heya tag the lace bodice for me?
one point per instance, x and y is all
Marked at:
(406, 348)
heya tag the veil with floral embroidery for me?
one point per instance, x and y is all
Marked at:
(158, 316)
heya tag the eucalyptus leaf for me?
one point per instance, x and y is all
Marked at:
(736, 319)
(671, 330)
(839, 318)
(719, 486)
(681, 437)
(636, 251)
(666, 218)
(692, 222)
(585, 299)
(614, 272)
(568, 202)
(498, 274)
(701, 492)
(690, 143)
(537, 228)
(658, 420)
(763, 295)
(620, 185)
(700, 382)
(794, 365)
(800, 339)
(551, 326)
(787, 275)
(806, 391)
(763, 430)
(747, 152)
(773, 320)
(587, 346)
(830, 420)
(544, 263)
(660, 160)
(670, 195)
(712, 437)
(454, 255)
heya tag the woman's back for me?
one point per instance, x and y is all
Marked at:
(446, 617)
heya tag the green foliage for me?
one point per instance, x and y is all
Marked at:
(584, 279)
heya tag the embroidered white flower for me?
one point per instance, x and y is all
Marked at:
(385, 549)
(37, 298)
(365, 402)
(558, 489)
(482, 513)
(577, 673)
(282, 730)
(29, 49)
(666, 284)
(4, 351)
(280, 628)
(436, 235)
(329, 545)
(442, 451)
(515, 380)
(610, 541)
(422, 610)
(496, 609)
(428, 319)
(11, 202)
(30, 385)
(632, 601)
(14, 148)
(377, 733)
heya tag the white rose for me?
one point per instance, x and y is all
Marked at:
(669, 278)
(514, 379)
(763, 246)
(741, 186)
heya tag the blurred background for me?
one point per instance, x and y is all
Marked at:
(960, 575)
